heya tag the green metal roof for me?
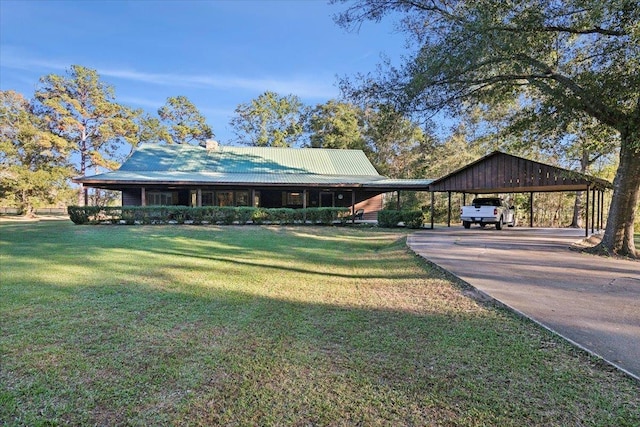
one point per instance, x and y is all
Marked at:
(248, 160)
(181, 177)
(191, 165)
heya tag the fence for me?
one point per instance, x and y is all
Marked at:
(38, 211)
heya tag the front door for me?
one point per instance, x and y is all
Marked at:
(326, 199)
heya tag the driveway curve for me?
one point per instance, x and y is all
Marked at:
(592, 301)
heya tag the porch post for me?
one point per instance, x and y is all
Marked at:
(353, 206)
(598, 214)
(593, 210)
(602, 210)
(398, 201)
(199, 197)
(448, 208)
(433, 200)
(143, 197)
(531, 209)
(586, 214)
(304, 206)
(253, 198)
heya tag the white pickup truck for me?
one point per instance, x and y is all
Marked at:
(488, 210)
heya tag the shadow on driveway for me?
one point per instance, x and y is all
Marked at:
(592, 301)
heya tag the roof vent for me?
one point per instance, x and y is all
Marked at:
(211, 144)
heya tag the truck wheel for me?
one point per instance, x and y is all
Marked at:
(513, 222)
(466, 224)
(499, 224)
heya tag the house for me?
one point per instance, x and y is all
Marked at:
(268, 177)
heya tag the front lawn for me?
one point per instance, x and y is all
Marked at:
(204, 325)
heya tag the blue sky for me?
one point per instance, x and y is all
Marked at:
(217, 53)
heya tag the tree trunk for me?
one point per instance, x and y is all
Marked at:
(25, 208)
(618, 235)
(576, 222)
(84, 191)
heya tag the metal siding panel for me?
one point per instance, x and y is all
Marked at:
(514, 178)
(547, 175)
(468, 177)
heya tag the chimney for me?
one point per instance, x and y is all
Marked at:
(211, 145)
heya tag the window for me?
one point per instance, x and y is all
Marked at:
(294, 199)
(160, 198)
(224, 198)
(242, 198)
(207, 198)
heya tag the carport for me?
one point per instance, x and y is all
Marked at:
(499, 172)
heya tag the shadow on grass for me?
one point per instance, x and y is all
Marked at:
(118, 354)
(121, 340)
(286, 248)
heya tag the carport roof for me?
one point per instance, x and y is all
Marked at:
(499, 172)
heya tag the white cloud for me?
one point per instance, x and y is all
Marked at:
(304, 87)
(11, 57)
(312, 86)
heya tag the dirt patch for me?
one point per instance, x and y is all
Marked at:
(588, 242)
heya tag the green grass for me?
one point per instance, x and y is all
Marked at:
(197, 325)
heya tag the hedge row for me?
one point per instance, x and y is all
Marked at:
(205, 215)
(391, 218)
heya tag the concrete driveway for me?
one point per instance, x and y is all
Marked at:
(592, 301)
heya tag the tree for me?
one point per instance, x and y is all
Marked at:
(80, 108)
(151, 130)
(586, 143)
(185, 123)
(390, 140)
(34, 162)
(335, 124)
(270, 120)
(580, 56)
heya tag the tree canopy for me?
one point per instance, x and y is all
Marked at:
(577, 58)
(392, 141)
(81, 108)
(34, 162)
(184, 123)
(270, 120)
(335, 124)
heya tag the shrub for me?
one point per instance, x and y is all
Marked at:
(198, 215)
(227, 214)
(78, 214)
(312, 215)
(413, 218)
(389, 218)
(326, 216)
(245, 214)
(281, 216)
(259, 216)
